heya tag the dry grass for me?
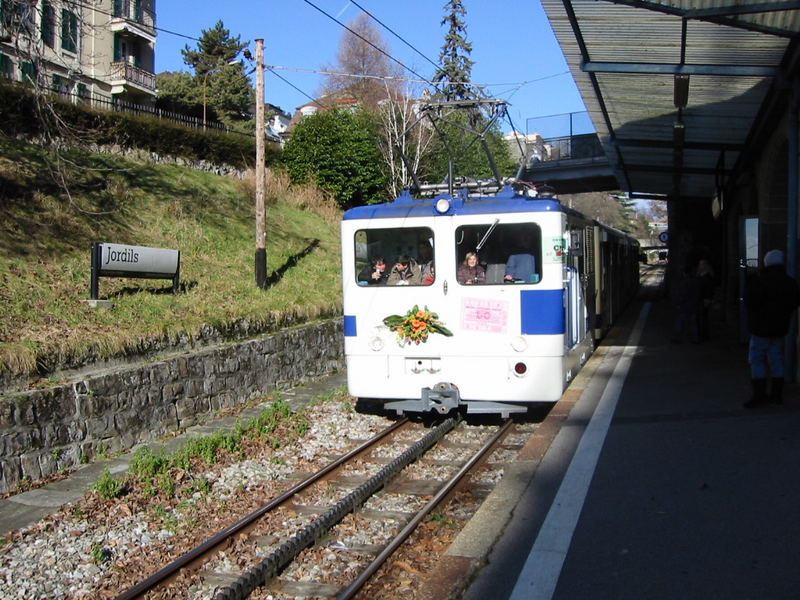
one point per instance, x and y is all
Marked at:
(279, 188)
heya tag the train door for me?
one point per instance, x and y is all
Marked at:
(574, 281)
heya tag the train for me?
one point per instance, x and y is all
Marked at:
(484, 303)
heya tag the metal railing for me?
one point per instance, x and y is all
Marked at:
(111, 104)
(132, 74)
(562, 136)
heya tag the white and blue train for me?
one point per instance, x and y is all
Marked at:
(428, 338)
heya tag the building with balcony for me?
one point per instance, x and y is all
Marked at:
(100, 51)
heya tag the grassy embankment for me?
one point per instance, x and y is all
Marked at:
(45, 256)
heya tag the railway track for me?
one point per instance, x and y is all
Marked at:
(282, 543)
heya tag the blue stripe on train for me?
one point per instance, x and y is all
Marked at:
(350, 326)
(542, 312)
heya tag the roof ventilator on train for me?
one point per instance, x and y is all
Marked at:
(444, 397)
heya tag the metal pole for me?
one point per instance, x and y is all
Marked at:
(94, 282)
(791, 223)
(261, 233)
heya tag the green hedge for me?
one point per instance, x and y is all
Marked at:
(18, 115)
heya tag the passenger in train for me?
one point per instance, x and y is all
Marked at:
(771, 299)
(425, 262)
(470, 272)
(405, 272)
(521, 267)
(374, 273)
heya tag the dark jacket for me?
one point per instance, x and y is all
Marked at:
(476, 274)
(771, 299)
(366, 276)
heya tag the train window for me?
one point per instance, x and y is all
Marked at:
(394, 256)
(497, 253)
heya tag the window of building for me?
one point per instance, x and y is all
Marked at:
(69, 30)
(394, 256)
(18, 15)
(83, 93)
(48, 24)
(27, 72)
(5, 66)
(503, 253)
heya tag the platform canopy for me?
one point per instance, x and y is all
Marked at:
(681, 92)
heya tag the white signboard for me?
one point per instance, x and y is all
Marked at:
(138, 259)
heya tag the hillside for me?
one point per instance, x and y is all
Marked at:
(48, 227)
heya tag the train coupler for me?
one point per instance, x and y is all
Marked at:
(441, 398)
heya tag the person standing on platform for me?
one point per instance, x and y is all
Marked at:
(771, 299)
(705, 275)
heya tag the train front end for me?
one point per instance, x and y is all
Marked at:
(458, 332)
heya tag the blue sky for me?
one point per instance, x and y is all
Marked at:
(514, 49)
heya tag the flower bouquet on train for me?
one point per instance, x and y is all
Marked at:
(416, 325)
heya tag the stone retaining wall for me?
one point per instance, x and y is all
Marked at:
(44, 431)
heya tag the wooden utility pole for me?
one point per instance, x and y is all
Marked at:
(261, 229)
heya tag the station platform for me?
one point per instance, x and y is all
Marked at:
(659, 484)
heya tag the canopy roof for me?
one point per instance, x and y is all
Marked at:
(680, 92)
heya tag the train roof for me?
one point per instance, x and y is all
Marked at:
(406, 205)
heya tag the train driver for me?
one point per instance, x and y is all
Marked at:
(521, 266)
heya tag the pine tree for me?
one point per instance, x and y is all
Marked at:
(220, 82)
(456, 70)
(215, 48)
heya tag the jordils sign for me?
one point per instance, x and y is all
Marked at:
(121, 260)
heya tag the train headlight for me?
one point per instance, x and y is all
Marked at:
(519, 343)
(376, 343)
(442, 205)
(520, 369)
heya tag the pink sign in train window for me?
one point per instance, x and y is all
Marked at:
(480, 314)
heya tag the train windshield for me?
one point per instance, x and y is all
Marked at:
(395, 256)
(496, 253)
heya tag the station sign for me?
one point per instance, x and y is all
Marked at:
(122, 260)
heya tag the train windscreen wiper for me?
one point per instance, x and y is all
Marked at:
(486, 237)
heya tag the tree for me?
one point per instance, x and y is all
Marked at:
(613, 209)
(219, 80)
(456, 70)
(177, 92)
(338, 149)
(215, 48)
(364, 64)
(404, 139)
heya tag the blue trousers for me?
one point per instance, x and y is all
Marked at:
(766, 357)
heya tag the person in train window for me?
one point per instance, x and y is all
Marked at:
(521, 266)
(771, 299)
(374, 273)
(425, 262)
(470, 271)
(405, 272)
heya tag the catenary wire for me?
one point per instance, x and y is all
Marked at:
(390, 30)
(361, 37)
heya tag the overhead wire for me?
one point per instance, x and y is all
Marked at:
(361, 37)
(420, 78)
(390, 30)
